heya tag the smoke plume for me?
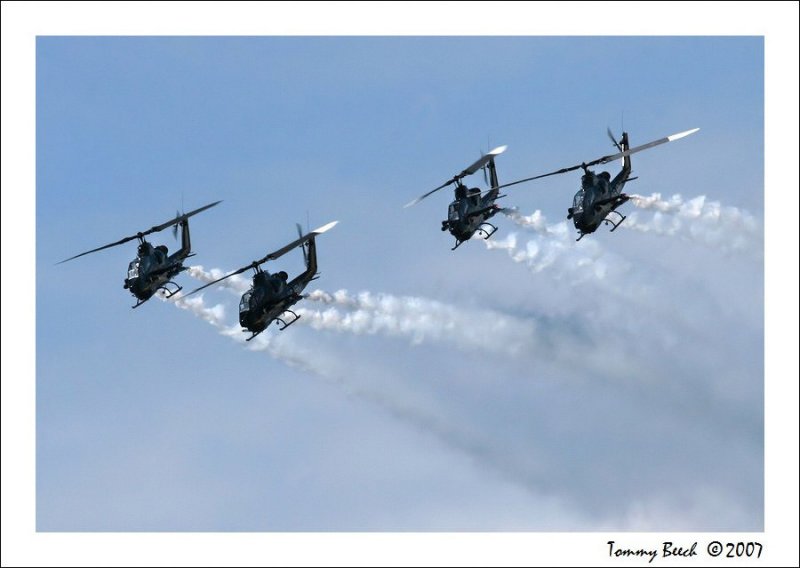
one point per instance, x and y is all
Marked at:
(553, 247)
(699, 220)
(420, 319)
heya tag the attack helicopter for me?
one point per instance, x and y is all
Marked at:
(472, 208)
(272, 295)
(153, 269)
(599, 195)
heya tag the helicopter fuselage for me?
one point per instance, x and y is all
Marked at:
(268, 297)
(599, 196)
(153, 269)
(271, 295)
(466, 214)
(149, 273)
(470, 211)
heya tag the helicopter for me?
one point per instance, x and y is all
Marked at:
(471, 209)
(272, 295)
(599, 195)
(153, 269)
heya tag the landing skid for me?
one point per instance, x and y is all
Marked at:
(608, 221)
(169, 293)
(254, 334)
(285, 325)
(485, 232)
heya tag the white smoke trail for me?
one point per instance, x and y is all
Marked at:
(535, 222)
(655, 202)
(418, 319)
(553, 248)
(214, 315)
(543, 339)
(699, 220)
(421, 319)
(236, 283)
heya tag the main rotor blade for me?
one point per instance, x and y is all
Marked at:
(179, 218)
(119, 242)
(611, 158)
(471, 169)
(561, 171)
(297, 242)
(670, 138)
(424, 195)
(175, 221)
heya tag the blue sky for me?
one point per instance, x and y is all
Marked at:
(525, 384)
(612, 384)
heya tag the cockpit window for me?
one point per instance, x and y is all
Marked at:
(452, 211)
(244, 304)
(133, 269)
(577, 202)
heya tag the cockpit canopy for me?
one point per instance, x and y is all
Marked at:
(452, 212)
(133, 269)
(577, 202)
(244, 303)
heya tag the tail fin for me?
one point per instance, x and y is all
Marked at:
(186, 241)
(619, 181)
(492, 174)
(626, 161)
(311, 256)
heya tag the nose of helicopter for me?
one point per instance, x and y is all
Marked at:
(138, 289)
(583, 222)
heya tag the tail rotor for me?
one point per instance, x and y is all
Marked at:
(303, 246)
(613, 140)
(175, 226)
